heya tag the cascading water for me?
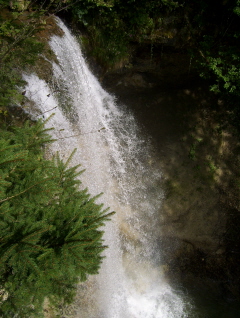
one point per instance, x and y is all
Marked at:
(119, 163)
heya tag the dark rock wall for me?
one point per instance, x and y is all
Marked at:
(198, 160)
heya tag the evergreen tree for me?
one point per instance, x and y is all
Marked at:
(49, 229)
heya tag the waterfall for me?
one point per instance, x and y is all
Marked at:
(120, 163)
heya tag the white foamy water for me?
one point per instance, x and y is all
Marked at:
(119, 162)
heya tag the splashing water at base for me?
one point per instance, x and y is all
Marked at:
(118, 162)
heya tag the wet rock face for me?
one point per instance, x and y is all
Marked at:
(197, 158)
(164, 67)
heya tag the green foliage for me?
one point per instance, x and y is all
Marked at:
(18, 49)
(113, 24)
(224, 67)
(214, 27)
(237, 8)
(219, 46)
(50, 237)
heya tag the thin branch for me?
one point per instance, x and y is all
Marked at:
(90, 132)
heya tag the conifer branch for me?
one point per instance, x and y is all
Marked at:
(54, 230)
(24, 191)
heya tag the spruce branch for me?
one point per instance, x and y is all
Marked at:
(26, 190)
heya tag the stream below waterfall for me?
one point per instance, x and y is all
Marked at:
(120, 162)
